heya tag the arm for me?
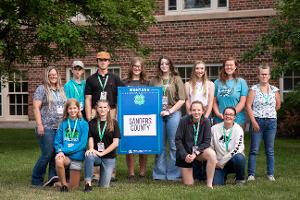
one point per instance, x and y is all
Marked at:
(37, 104)
(88, 107)
(110, 148)
(249, 103)
(211, 94)
(180, 150)
(278, 101)
(206, 136)
(67, 91)
(58, 139)
(238, 148)
(244, 92)
(188, 99)
(216, 108)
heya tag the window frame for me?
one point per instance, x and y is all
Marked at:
(181, 11)
(283, 91)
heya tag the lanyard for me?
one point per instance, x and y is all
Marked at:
(76, 90)
(55, 95)
(228, 138)
(165, 87)
(196, 132)
(69, 127)
(265, 96)
(105, 82)
(101, 133)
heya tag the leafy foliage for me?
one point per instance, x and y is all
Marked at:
(282, 40)
(49, 29)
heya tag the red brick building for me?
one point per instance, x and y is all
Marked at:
(186, 30)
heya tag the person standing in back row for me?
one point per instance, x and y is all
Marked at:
(103, 85)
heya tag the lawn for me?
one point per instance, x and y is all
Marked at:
(19, 151)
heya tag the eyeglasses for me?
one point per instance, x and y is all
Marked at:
(103, 60)
(229, 114)
(264, 74)
(137, 66)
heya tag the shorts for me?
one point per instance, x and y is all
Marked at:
(75, 165)
(183, 164)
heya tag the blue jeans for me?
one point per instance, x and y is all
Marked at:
(164, 168)
(106, 167)
(267, 132)
(235, 165)
(47, 156)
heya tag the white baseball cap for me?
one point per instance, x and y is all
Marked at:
(78, 63)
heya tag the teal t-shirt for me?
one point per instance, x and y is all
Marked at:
(75, 90)
(229, 94)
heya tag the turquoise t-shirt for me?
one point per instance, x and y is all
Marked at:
(75, 90)
(229, 94)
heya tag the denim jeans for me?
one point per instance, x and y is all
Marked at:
(267, 132)
(47, 156)
(165, 168)
(235, 165)
(106, 167)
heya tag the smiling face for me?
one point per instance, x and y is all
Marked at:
(77, 72)
(102, 109)
(137, 68)
(230, 67)
(164, 65)
(53, 77)
(103, 63)
(196, 111)
(73, 110)
(229, 116)
(200, 70)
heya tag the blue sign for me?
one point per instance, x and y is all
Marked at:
(139, 118)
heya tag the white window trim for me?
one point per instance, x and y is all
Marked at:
(180, 11)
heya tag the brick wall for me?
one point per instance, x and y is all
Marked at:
(211, 40)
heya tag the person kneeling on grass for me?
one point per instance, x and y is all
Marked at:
(228, 142)
(192, 142)
(104, 134)
(70, 144)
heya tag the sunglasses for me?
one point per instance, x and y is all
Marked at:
(100, 59)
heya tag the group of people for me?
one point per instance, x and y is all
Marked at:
(77, 122)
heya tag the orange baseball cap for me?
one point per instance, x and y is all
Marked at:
(103, 55)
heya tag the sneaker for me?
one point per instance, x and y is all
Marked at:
(87, 188)
(51, 181)
(251, 178)
(271, 178)
(240, 182)
(113, 179)
(64, 188)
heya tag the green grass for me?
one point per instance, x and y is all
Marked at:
(19, 151)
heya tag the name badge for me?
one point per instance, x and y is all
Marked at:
(165, 102)
(81, 106)
(60, 110)
(103, 95)
(100, 146)
(194, 148)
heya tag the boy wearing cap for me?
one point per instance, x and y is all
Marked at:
(102, 85)
(75, 87)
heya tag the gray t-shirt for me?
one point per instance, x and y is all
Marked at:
(51, 116)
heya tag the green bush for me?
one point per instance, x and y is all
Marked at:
(289, 115)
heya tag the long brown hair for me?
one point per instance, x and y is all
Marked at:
(173, 72)
(47, 85)
(143, 75)
(109, 120)
(223, 74)
(193, 79)
(68, 104)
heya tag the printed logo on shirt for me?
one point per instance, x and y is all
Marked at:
(69, 136)
(225, 92)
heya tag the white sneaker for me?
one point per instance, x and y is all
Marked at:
(271, 178)
(251, 178)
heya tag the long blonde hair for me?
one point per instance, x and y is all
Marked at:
(47, 85)
(194, 78)
(109, 120)
(68, 104)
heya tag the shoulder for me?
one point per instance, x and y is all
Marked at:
(216, 126)
(238, 128)
(241, 80)
(91, 77)
(40, 90)
(274, 89)
(83, 122)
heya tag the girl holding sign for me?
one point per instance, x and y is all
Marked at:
(136, 77)
(172, 100)
(193, 143)
(48, 106)
(104, 134)
(70, 143)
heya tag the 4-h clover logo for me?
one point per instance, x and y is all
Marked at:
(139, 99)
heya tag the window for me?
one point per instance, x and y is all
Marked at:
(18, 94)
(175, 7)
(289, 82)
(91, 70)
(185, 71)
